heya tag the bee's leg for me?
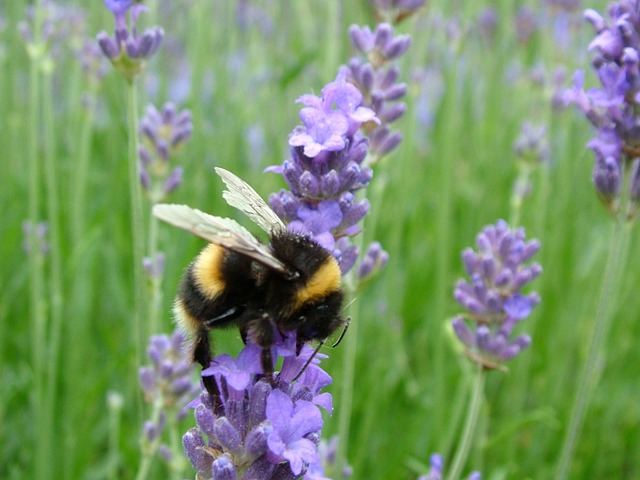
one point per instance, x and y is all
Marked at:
(267, 363)
(202, 355)
(260, 330)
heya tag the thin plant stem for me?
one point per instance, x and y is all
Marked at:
(137, 237)
(348, 375)
(81, 172)
(149, 449)
(468, 433)
(517, 198)
(137, 226)
(178, 462)
(443, 240)
(590, 372)
(114, 403)
(155, 297)
(36, 257)
(55, 262)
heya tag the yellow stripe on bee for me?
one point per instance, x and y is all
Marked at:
(207, 271)
(184, 319)
(325, 280)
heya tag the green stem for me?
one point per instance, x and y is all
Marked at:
(348, 377)
(81, 172)
(36, 259)
(55, 262)
(137, 226)
(114, 404)
(443, 241)
(590, 373)
(470, 426)
(178, 462)
(517, 194)
(149, 449)
(155, 301)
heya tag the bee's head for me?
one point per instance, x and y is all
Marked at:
(317, 321)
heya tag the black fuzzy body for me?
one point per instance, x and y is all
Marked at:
(259, 299)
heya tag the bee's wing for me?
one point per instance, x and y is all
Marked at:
(221, 231)
(241, 196)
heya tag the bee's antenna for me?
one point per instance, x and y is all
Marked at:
(309, 361)
(344, 330)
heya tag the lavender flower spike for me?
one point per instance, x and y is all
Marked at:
(325, 170)
(126, 50)
(377, 79)
(260, 430)
(168, 386)
(162, 135)
(612, 107)
(493, 298)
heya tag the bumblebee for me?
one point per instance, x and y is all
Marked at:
(291, 284)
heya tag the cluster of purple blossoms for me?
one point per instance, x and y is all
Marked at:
(532, 145)
(260, 429)
(436, 471)
(48, 29)
(493, 297)
(162, 135)
(127, 50)
(167, 384)
(325, 170)
(613, 107)
(378, 81)
(532, 150)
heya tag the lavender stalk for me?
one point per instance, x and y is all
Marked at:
(613, 109)
(128, 53)
(495, 306)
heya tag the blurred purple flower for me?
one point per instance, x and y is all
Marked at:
(162, 136)
(372, 73)
(532, 146)
(493, 297)
(127, 50)
(167, 384)
(436, 463)
(613, 106)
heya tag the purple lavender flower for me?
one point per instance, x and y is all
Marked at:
(375, 259)
(127, 50)
(531, 146)
(59, 27)
(169, 376)
(261, 430)
(92, 61)
(162, 135)
(379, 81)
(154, 266)
(612, 107)
(493, 297)
(325, 169)
(167, 384)
(436, 471)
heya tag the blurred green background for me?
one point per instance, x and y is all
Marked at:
(239, 67)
